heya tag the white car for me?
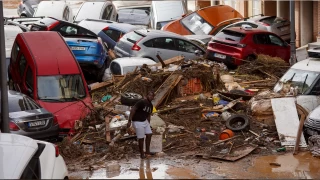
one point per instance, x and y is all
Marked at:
(96, 10)
(56, 9)
(122, 66)
(26, 158)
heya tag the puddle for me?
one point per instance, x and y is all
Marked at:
(140, 169)
(301, 166)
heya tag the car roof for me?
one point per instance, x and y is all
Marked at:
(17, 151)
(159, 33)
(133, 61)
(47, 60)
(309, 64)
(124, 26)
(251, 31)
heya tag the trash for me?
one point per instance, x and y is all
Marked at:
(314, 145)
(106, 98)
(225, 115)
(204, 137)
(173, 128)
(202, 97)
(224, 151)
(160, 130)
(122, 108)
(212, 114)
(282, 149)
(107, 75)
(223, 102)
(227, 79)
(215, 98)
(112, 166)
(77, 125)
(275, 164)
(146, 79)
(88, 149)
(210, 133)
(118, 121)
(227, 133)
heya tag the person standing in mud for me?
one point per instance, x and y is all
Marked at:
(140, 116)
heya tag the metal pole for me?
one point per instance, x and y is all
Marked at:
(3, 70)
(292, 33)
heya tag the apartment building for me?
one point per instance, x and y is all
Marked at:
(307, 20)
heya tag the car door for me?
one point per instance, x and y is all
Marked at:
(112, 37)
(29, 80)
(279, 46)
(188, 50)
(262, 44)
(21, 66)
(165, 47)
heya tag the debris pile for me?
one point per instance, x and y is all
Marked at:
(200, 107)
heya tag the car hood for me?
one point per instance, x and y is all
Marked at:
(315, 114)
(15, 151)
(68, 112)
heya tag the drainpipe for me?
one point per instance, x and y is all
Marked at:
(3, 70)
(292, 33)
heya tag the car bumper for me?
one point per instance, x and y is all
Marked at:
(93, 61)
(228, 60)
(52, 132)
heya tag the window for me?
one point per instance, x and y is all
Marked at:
(164, 43)
(84, 31)
(316, 89)
(133, 36)
(22, 65)
(274, 40)
(186, 46)
(229, 35)
(107, 12)
(15, 52)
(256, 7)
(32, 170)
(148, 43)
(261, 39)
(29, 78)
(68, 30)
(196, 24)
(66, 14)
(113, 34)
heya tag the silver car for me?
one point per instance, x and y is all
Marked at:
(30, 119)
(277, 25)
(150, 43)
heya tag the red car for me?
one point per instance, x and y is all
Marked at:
(233, 44)
(43, 67)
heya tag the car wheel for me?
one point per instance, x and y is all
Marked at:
(237, 122)
(130, 99)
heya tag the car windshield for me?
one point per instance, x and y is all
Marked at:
(196, 24)
(60, 88)
(230, 36)
(297, 78)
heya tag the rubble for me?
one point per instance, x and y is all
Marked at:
(194, 101)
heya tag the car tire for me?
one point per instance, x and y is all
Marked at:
(238, 118)
(130, 99)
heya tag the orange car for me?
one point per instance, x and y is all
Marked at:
(205, 21)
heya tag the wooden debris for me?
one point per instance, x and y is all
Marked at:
(161, 61)
(221, 141)
(108, 137)
(97, 86)
(303, 113)
(176, 59)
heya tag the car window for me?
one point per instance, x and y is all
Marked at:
(107, 12)
(68, 30)
(164, 43)
(186, 46)
(15, 51)
(196, 24)
(229, 35)
(84, 31)
(22, 65)
(33, 169)
(261, 39)
(148, 43)
(29, 78)
(274, 40)
(113, 34)
(316, 89)
(66, 14)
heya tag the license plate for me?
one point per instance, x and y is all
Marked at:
(284, 28)
(221, 56)
(37, 123)
(78, 48)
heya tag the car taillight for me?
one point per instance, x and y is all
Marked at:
(57, 150)
(13, 127)
(55, 120)
(211, 45)
(52, 26)
(135, 47)
(241, 45)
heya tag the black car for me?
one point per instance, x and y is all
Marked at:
(63, 27)
(29, 119)
(27, 8)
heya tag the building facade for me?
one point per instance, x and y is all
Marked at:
(307, 20)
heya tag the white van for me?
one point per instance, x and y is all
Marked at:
(96, 10)
(56, 9)
(122, 66)
(163, 12)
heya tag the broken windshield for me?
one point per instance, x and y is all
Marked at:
(297, 78)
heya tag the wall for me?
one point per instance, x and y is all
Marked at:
(270, 8)
(306, 21)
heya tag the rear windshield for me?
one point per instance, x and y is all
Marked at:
(273, 20)
(133, 36)
(230, 36)
(196, 24)
(19, 103)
